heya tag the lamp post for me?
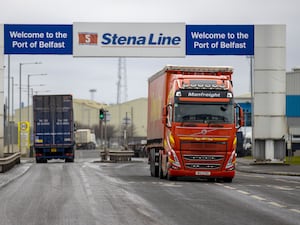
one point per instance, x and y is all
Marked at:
(28, 86)
(20, 91)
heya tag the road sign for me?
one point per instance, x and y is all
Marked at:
(129, 39)
(220, 40)
(38, 39)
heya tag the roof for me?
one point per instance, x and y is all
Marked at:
(89, 103)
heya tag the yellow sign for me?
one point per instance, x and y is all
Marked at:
(24, 136)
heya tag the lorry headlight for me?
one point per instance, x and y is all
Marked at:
(173, 160)
(231, 162)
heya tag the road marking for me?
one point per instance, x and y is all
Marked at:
(244, 192)
(288, 181)
(258, 198)
(252, 175)
(277, 204)
(284, 188)
(254, 185)
(295, 210)
(229, 187)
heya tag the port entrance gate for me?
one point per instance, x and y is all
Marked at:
(265, 44)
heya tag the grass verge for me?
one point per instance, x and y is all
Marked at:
(294, 160)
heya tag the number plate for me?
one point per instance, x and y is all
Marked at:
(53, 149)
(202, 173)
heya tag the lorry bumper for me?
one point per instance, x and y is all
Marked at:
(54, 153)
(202, 173)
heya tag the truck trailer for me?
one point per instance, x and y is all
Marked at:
(192, 123)
(53, 127)
(85, 139)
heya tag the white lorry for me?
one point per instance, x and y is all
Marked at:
(85, 139)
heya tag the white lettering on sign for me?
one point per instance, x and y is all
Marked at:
(205, 40)
(17, 34)
(204, 35)
(36, 42)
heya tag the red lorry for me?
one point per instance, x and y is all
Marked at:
(192, 123)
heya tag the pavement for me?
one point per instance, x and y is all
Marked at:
(250, 166)
(15, 172)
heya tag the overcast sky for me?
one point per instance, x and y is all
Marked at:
(78, 75)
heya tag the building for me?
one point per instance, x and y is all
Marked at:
(86, 112)
(293, 107)
(132, 113)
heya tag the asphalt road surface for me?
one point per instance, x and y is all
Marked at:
(89, 193)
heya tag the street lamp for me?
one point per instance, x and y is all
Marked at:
(20, 91)
(28, 85)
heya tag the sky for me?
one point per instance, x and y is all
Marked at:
(77, 76)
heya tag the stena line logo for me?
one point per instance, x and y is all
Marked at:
(115, 40)
(85, 38)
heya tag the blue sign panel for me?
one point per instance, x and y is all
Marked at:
(38, 39)
(220, 40)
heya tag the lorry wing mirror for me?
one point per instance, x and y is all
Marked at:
(239, 116)
(167, 115)
(164, 115)
(242, 119)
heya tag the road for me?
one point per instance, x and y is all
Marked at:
(90, 193)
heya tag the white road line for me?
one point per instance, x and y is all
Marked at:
(284, 188)
(252, 175)
(277, 204)
(244, 192)
(295, 210)
(288, 181)
(229, 187)
(258, 198)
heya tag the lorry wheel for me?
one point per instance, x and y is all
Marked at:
(160, 171)
(227, 179)
(153, 168)
(171, 178)
(69, 160)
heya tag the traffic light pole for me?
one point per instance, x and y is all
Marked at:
(103, 124)
(105, 137)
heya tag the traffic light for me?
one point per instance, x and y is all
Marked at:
(101, 114)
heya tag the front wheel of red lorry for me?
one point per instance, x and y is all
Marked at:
(171, 178)
(160, 170)
(227, 179)
(154, 169)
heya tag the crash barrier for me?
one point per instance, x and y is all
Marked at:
(9, 161)
(117, 155)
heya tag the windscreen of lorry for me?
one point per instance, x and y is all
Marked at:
(221, 113)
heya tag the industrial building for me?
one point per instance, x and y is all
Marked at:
(132, 115)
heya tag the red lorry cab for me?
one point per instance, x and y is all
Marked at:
(192, 123)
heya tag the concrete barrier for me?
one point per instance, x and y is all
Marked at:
(9, 161)
(118, 155)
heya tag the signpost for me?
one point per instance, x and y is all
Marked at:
(38, 39)
(129, 39)
(220, 40)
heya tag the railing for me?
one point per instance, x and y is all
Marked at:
(9, 161)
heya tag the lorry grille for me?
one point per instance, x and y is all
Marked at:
(206, 155)
(204, 146)
(202, 166)
(203, 157)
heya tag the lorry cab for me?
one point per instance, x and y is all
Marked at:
(200, 120)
